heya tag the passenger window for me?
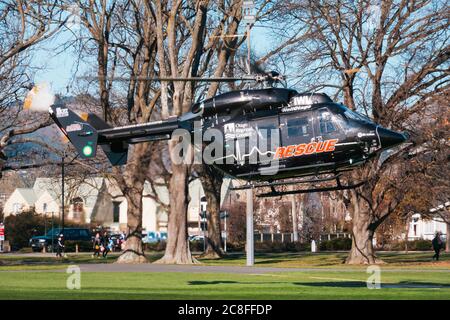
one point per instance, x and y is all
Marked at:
(267, 127)
(298, 127)
(326, 122)
(69, 233)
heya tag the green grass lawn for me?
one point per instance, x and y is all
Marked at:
(424, 280)
(286, 285)
(333, 260)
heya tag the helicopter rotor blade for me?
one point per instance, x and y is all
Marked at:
(162, 79)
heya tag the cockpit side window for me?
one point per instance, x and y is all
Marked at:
(326, 122)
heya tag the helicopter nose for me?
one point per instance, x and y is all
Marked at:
(389, 138)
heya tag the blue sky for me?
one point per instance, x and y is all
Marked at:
(58, 68)
(55, 68)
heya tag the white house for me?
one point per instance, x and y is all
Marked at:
(99, 200)
(420, 228)
(45, 197)
(22, 199)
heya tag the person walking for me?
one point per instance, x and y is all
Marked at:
(437, 245)
(60, 246)
(105, 245)
(96, 245)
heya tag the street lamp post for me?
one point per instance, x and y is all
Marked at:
(250, 235)
(204, 230)
(62, 190)
(53, 232)
(226, 235)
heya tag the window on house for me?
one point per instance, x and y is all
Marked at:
(17, 207)
(429, 227)
(77, 205)
(116, 211)
(78, 208)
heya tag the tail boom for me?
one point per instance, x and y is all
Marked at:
(85, 135)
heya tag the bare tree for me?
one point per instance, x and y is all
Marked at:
(431, 164)
(121, 34)
(23, 25)
(225, 42)
(384, 60)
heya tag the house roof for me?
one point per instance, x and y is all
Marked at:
(195, 190)
(28, 195)
(88, 189)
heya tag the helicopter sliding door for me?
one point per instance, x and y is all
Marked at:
(297, 132)
(328, 128)
(268, 138)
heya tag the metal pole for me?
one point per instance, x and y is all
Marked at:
(204, 233)
(62, 192)
(294, 220)
(248, 50)
(53, 232)
(226, 235)
(250, 236)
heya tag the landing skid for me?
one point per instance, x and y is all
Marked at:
(275, 193)
(282, 183)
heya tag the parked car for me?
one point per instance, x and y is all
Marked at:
(37, 243)
(117, 239)
(197, 238)
(155, 236)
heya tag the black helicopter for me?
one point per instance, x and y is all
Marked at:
(305, 134)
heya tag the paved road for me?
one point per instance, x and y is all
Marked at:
(149, 267)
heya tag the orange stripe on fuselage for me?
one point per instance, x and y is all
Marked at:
(305, 149)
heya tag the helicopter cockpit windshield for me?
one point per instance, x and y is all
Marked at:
(350, 114)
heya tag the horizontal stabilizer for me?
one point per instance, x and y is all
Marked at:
(86, 134)
(81, 134)
(97, 122)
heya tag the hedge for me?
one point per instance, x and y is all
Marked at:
(338, 244)
(414, 245)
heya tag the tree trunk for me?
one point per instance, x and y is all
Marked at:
(212, 183)
(177, 248)
(134, 251)
(214, 238)
(447, 246)
(131, 183)
(362, 251)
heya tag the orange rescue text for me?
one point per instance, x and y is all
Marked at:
(305, 149)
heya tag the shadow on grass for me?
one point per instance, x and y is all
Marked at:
(200, 283)
(270, 261)
(362, 284)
